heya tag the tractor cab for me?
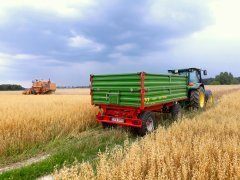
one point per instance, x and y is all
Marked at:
(194, 75)
(198, 96)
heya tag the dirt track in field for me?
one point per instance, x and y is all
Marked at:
(27, 162)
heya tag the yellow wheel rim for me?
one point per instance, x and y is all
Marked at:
(201, 99)
(210, 100)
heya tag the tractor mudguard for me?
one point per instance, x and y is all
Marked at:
(196, 86)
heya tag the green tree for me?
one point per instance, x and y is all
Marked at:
(215, 83)
(225, 78)
(235, 81)
(10, 87)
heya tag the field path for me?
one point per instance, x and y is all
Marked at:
(22, 164)
(49, 177)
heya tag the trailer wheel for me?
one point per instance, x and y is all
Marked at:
(209, 98)
(148, 123)
(197, 99)
(176, 112)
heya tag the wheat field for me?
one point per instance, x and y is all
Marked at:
(205, 147)
(26, 121)
(220, 90)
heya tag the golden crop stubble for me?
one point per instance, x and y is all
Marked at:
(29, 120)
(206, 147)
(220, 90)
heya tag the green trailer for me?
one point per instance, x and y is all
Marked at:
(130, 99)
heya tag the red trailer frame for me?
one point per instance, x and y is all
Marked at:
(129, 114)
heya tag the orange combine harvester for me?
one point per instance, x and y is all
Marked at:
(41, 87)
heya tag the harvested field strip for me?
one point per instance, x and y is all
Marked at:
(66, 152)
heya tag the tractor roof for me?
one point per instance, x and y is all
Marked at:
(176, 71)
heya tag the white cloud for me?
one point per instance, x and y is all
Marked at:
(125, 47)
(7, 59)
(126, 35)
(47, 32)
(82, 42)
(22, 68)
(176, 14)
(27, 56)
(61, 8)
(4, 59)
(226, 14)
(116, 56)
(5, 63)
(219, 41)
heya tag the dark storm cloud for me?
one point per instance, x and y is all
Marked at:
(108, 32)
(132, 22)
(111, 24)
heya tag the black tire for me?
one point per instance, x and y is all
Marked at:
(33, 92)
(148, 123)
(209, 97)
(197, 99)
(107, 125)
(176, 112)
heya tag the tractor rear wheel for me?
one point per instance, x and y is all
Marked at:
(176, 112)
(197, 99)
(148, 123)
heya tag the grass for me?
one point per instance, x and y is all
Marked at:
(85, 147)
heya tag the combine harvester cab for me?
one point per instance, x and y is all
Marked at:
(41, 87)
(130, 99)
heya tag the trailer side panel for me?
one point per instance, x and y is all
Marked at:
(160, 88)
(120, 89)
(138, 90)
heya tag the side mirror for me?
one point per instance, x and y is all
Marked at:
(205, 72)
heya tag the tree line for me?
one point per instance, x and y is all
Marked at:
(10, 87)
(224, 78)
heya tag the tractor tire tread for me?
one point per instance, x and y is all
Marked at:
(194, 98)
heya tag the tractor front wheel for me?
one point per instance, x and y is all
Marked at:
(209, 98)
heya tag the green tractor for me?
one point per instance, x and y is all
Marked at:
(198, 96)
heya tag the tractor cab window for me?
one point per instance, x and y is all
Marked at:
(183, 73)
(194, 77)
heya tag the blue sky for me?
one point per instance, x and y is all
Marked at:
(69, 40)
